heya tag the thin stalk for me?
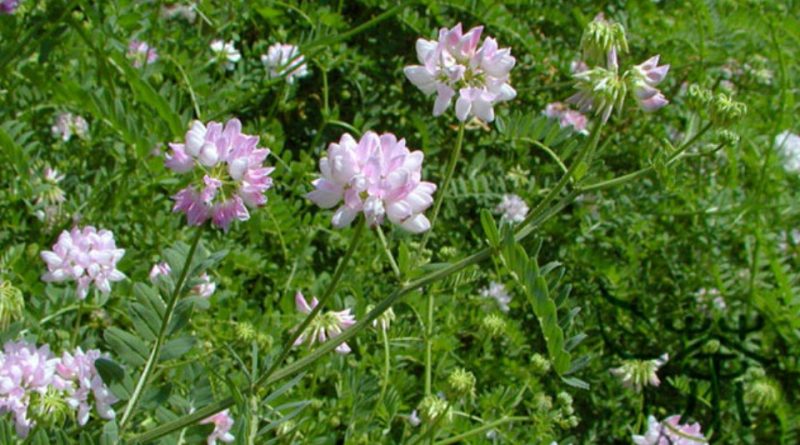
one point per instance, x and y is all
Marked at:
(487, 427)
(386, 370)
(429, 345)
(451, 166)
(77, 330)
(388, 252)
(565, 178)
(337, 276)
(162, 334)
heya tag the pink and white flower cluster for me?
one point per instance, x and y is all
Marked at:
(498, 292)
(670, 432)
(28, 373)
(205, 289)
(636, 374)
(141, 53)
(233, 173)
(223, 422)
(280, 57)
(68, 124)
(455, 63)
(645, 77)
(566, 117)
(512, 208)
(87, 256)
(378, 176)
(325, 326)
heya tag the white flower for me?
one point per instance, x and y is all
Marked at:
(513, 208)
(788, 145)
(226, 52)
(280, 57)
(498, 292)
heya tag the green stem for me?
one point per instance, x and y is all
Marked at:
(487, 427)
(429, 344)
(162, 334)
(386, 369)
(337, 276)
(388, 252)
(451, 167)
(77, 330)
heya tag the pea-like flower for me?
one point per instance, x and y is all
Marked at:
(230, 173)
(378, 176)
(226, 53)
(223, 422)
(141, 53)
(644, 78)
(567, 118)
(82, 381)
(283, 59)
(455, 64)
(670, 432)
(512, 208)
(636, 374)
(87, 256)
(324, 326)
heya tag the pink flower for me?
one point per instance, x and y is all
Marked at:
(234, 177)
(670, 432)
(645, 77)
(25, 370)
(223, 422)
(204, 289)
(87, 256)
(456, 63)
(83, 380)
(324, 326)
(141, 53)
(67, 125)
(566, 117)
(378, 176)
(281, 57)
(8, 6)
(578, 66)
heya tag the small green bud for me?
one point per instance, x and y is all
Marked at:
(601, 37)
(564, 398)
(543, 402)
(462, 383)
(725, 110)
(711, 346)
(245, 331)
(433, 408)
(494, 325)
(12, 304)
(763, 393)
(727, 137)
(699, 97)
(539, 364)
(264, 340)
(285, 428)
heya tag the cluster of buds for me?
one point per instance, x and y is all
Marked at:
(324, 326)
(49, 195)
(435, 409)
(494, 325)
(12, 304)
(384, 321)
(601, 87)
(455, 63)
(461, 383)
(722, 109)
(636, 374)
(760, 390)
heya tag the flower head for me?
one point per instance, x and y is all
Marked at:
(513, 208)
(644, 78)
(232, 169)
(788, 146)
(87, 256)
(637, 374)
(384, 320)
(186, 12)
(223, 422)
(83, 380)
(68, 124)
(141, 53)
(8, 6)
(600, 90)
(204, 289)
(378, 176)
(280, 57)
(324, 326)
(456, 64)
(226, 53)
(670, 432)
(25, 370)
(602, 40)
(498, 292)
(567, 118)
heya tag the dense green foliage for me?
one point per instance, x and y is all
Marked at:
(613, 276)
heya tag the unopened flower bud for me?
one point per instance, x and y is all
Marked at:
(601, 38)
(763, 393)
(494, 325)
(245, 331)
(725, 110)
(599, 91)
(699, 97)
(11, 304)
(637, 374)
(727, 137)
(543, 402)
(539, 364)
(435, 409)
(384, 321)
(462, 383)
(711, 346)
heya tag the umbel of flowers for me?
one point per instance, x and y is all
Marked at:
(36, 386)
(229, 173)
(87, 256)
(378, 176)
(601, 87)
(454, 63)
(670, 432)
(325, 326)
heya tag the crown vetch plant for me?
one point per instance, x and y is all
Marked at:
(574, 208)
